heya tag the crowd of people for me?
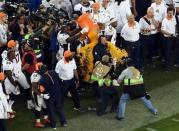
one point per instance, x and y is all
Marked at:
(40, 56)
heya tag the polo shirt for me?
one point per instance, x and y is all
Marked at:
(160, 11)
(169, 26)
(66, 70)
(131, 34)
(122, 12)
(144, 25)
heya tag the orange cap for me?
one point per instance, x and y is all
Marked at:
(11, 44)
(2, 76)
(96, 6)
(38, 65)
(2, 14)
(67, 53)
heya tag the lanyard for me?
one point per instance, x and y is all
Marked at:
(50, 78)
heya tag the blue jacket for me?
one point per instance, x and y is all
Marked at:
(33, 5)
(52, 85)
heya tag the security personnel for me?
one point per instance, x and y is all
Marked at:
(50, 87)
(133, 89)
(101, 74)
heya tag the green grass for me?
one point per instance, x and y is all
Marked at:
(157, 82)
(163, 125)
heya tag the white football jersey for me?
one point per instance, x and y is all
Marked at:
(18, 62)
(83, 9)
(4, 55)
(7, 65)
(35, 77)
(62, 37)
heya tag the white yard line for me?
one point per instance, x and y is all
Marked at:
(151, 129)
(175, 120)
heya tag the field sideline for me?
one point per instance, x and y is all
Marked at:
(162, 86)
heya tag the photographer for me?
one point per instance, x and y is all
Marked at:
(17, 28)
(53, 45)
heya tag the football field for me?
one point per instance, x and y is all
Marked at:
(162, 86)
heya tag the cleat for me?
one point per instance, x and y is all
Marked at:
(39, 125)
(46, 121)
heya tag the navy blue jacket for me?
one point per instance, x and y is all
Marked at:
(52, 85)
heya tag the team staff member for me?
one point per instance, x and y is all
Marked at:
(51, 88)
(4, 109)
(148, 27)
(169, 31)
(160, 12)
(130, 33)
(67, 71)
(133, 89)
(29, 62)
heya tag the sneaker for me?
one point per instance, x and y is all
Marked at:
(119, 118)
(176, 65)
(91, 109)
(54, 128)
(39, 125)
(79, 109)
(64, 124)
(69, 95)
(155, 112)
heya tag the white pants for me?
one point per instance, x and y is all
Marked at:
(21, 78)
(10, 88)
(40, 103)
